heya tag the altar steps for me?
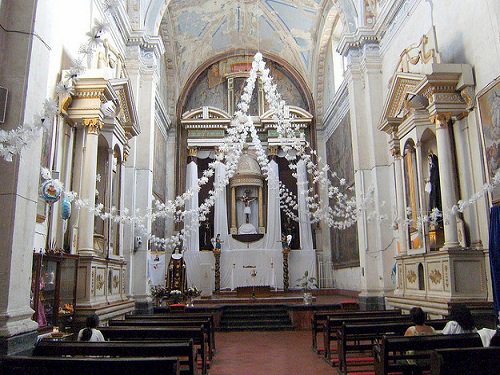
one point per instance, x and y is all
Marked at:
(255, 318)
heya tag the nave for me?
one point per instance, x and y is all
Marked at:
(267, 352)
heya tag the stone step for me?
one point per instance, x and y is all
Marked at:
(275, 327)
(254, 321)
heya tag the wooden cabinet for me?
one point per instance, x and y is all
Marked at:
(53, 289)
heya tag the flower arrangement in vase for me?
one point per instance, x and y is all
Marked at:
(191, 293)
(175, 296)
(158, 292)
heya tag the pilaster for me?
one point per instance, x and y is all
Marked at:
(371, 165)
(143, 68)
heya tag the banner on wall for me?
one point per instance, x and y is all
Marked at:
(156, 268)
(495, 255)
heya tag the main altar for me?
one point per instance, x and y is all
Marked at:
(246, 225)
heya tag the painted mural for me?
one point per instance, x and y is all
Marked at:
(344, 243)
(211, 87)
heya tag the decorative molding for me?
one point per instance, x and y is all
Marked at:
(411, 276)
(435, 276)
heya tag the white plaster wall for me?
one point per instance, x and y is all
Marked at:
(467, 33)
(347, 278)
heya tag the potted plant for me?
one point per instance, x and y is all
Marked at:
(307, 282)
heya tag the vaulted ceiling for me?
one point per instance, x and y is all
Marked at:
(196, 30)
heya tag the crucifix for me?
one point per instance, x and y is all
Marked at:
(247, 199)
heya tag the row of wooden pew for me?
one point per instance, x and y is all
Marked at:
(154, 344)
(375, 340)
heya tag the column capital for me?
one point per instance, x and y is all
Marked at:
(93, 125)
(192, 152)
(441, 119)
(272, 151)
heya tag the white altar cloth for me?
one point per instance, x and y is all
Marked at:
(236, 267)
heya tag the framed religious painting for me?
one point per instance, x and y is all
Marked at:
(489, 112)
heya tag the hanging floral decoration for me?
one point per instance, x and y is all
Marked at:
(341, 211)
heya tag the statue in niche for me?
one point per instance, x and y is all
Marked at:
(247, 199)
(205, 235)
(433, 186)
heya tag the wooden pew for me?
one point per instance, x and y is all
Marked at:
(177, 316)
(317, 321)
(24, 365)
(183, 350)
(205, 322)
(360, 338)
(330, 327)
(197, 334)
(392, 353)
(466, 361)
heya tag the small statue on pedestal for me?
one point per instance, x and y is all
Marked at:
(247, 199)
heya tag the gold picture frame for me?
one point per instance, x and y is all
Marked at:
(488, 102)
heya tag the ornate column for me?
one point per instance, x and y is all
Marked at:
(216, 253)
(446, 178)
(109, 202)
(191, 241)
(220, 207)
(261, 211)
(273, 201)
(91, 127)
(234, 230)
(304, 222)
(286, 251)
(398, 177)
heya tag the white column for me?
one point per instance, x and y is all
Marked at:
(220, 207)
(273, 208)
(305, 232)
(446, 179)
(464, 165)
(87, 192)
(401, 210)
(192, 227)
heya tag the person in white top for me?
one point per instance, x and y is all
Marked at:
(90, 333)
(461, 321)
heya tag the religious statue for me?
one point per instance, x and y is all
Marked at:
(218, 243)
(433, 186)
(205, 235)
(247, 199)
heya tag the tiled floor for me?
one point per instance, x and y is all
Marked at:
(267, 353)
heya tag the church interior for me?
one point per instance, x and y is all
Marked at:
(203, 156)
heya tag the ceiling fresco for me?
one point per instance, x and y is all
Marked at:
(196, 30)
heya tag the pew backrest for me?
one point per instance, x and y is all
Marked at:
(183, 350)
(391, 353)
(26, 365)
(466, 361)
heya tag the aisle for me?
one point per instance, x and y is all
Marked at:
(267, 353)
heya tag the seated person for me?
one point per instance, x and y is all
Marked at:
(420, 328)
(461, 321)
(90, 333)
